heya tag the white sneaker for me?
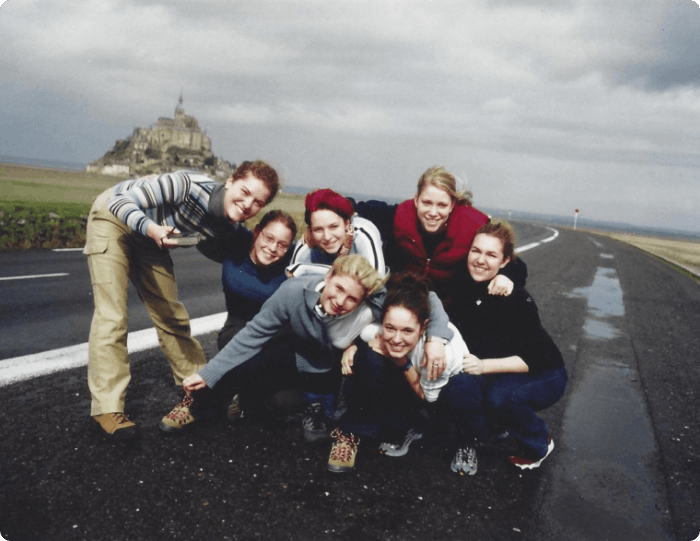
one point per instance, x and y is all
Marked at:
(465, 461)
(400, 449)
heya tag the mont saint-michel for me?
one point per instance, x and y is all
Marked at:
(169, 144)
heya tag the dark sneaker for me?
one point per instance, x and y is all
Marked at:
(465, 461)
(234, 413)
(343, 452)
(180, 418)
(116, 426)
(531, 463)
(400, 449)
(314, 424)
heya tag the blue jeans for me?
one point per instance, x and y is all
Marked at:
(461, 402)
(379, 399)
(513, 399)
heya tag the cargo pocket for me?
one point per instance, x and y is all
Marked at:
(98, 261)
(95, 246)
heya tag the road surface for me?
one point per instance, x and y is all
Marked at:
(626, 463)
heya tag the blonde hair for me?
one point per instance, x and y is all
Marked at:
(359, 268)
(441, 178)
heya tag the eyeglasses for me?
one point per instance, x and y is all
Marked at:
(273, 243)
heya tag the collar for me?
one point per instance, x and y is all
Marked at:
(216, 201)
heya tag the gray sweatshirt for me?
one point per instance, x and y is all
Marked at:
(293, 303)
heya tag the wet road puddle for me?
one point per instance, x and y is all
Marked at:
(606, 483)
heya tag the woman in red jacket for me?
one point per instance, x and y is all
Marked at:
(431, 234)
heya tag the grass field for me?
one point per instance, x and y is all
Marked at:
(682, 253)
(28, 194)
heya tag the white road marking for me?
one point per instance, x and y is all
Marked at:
(555, 234)
(38, 364)
(29, 366)
(30, 276)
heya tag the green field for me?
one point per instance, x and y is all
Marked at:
(28, 194)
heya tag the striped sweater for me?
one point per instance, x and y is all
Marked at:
(189, 201)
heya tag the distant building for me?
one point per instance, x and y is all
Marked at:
(167, 145)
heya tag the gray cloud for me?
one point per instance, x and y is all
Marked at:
(549, 95)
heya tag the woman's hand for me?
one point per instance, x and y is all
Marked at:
(161, 235)
(348, 359)
(193, 383)
(501, 285)
(434, 359)
(471, 364)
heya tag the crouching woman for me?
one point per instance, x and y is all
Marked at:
(524, 369)
(321, 315)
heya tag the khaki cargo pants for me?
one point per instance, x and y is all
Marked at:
(115, 255)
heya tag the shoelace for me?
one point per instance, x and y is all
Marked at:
(179, 412)
(466, 455)
(344, 446)
(312, 417)
(121, 418)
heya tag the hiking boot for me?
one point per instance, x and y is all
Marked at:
(116, 426)
(400, 449)
(180, 418)
(465, 461)
(314, 424)
(532, 463)
(343, 452)
(234, 413)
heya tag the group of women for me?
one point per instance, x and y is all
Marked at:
(450, 332)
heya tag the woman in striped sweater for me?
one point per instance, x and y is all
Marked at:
(130, 229)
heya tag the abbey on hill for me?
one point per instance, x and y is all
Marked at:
(167, 145)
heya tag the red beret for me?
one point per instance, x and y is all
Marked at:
(330, 200)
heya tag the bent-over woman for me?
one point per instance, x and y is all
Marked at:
(130, 229)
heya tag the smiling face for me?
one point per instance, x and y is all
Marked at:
(341, 294)
(401, 331)
(485, 257)
(244, 198)
(271, 243)
(328, 230)
(434, 206)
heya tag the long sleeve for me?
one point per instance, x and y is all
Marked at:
(516, 271)
(250, 341)
(439, 321)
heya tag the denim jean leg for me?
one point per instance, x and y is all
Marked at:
(378, 398)
(513, 400)
(461, 401)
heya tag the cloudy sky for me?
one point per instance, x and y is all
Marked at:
(539, 105)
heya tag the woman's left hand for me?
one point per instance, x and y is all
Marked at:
(348, 359)
(501, 285)
(471, 364)
(434, 359)
(193, 383)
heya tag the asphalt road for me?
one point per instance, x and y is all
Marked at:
(55, 311)
(625, 466)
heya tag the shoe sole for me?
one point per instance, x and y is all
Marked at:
(462, 472)
(537, 464)
(339, 469)
(121, 434)
(172, 431)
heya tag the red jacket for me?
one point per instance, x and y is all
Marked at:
(450, 256)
